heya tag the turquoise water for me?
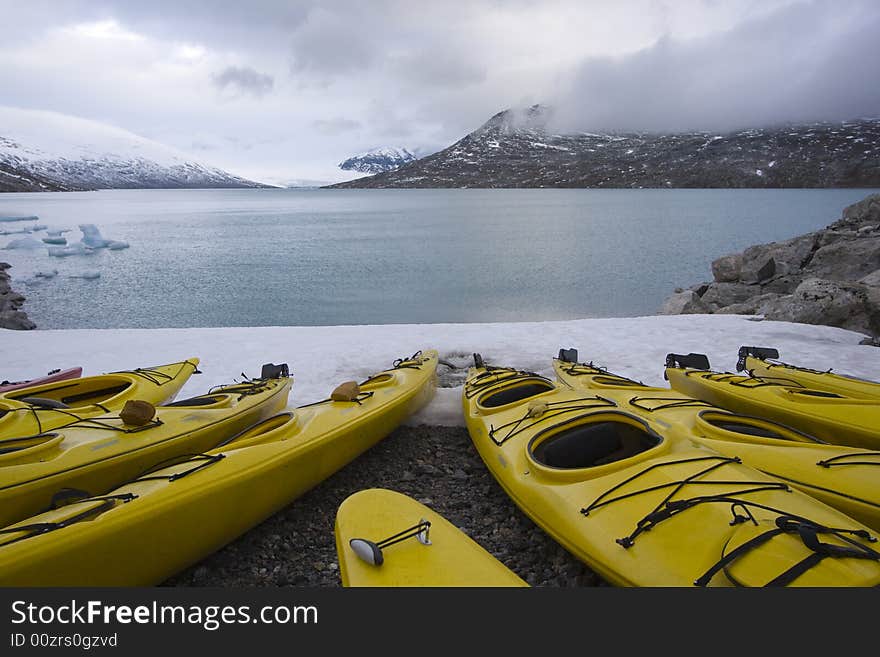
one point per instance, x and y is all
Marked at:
(323, 257)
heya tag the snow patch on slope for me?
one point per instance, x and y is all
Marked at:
(78, 153)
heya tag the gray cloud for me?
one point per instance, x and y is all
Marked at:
(339, 76)
(335, 126)
(791, 66)
(243, 80)
(444, 68)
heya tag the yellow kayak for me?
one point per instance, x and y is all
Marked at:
(385, 538)
(645, 508)
(37, 409)
(762, 362)
(161, 521)
(829, 416)
(90, 456)
(843, 477)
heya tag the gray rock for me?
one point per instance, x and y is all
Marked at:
(872, 279)
(764, 261)
(684, 303)
(700, 288)
(755, 305)
(873, 342)
(727, 269)
(10, 303)
(846, 260)
(864, 230)
(719, 295)
(821, 301)
(16, 320)
(866, 211)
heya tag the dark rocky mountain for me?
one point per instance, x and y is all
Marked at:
(378, 160)
(519, 149)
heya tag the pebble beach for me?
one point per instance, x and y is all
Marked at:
(438, 466)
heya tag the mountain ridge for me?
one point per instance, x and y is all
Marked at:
(378, 160)
(517, 148)
(47, 151)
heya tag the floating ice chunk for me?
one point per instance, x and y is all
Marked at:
(89, 275)
(27, 243)
(30, 217)
(56, 232)
(52, 239)
(92, 237)
(46, 274)
(37, 227)
(77, 248)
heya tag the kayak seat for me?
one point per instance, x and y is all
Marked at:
(590, 445)
(515, 393)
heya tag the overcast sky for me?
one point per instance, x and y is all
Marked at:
(279, 90)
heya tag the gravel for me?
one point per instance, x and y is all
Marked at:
(438, 466)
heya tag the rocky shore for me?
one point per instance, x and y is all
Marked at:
(11, 315)
(830, 277)
(438, 466)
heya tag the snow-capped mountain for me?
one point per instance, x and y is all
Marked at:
(46, 151)
(518, 148)
(379, 160)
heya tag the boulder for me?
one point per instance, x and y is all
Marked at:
(719, 295)
(727, 269)
(765, 261)
(10, 302)
(753, 306)
(16, 320)
(822, 301)
(684, 303)
(865, 212)
(872, 279)
(846, 260)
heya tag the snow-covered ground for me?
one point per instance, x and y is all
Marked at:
(322, 357)
(75, 152)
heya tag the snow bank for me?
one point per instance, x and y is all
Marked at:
(322, 357)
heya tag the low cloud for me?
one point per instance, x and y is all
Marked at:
(243, 80)
(790, 66)
(335, 126)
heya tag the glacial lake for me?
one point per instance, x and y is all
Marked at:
(262, 257)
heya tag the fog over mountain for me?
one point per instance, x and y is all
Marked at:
(276, 90)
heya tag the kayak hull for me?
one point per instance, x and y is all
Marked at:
(842, 477)
(180, 514)
(450, 559)
(638, 504)
(60, 375)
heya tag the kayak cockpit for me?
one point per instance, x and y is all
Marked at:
(592, 441)
(743, 428)
(81, 392)
(517, 391)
